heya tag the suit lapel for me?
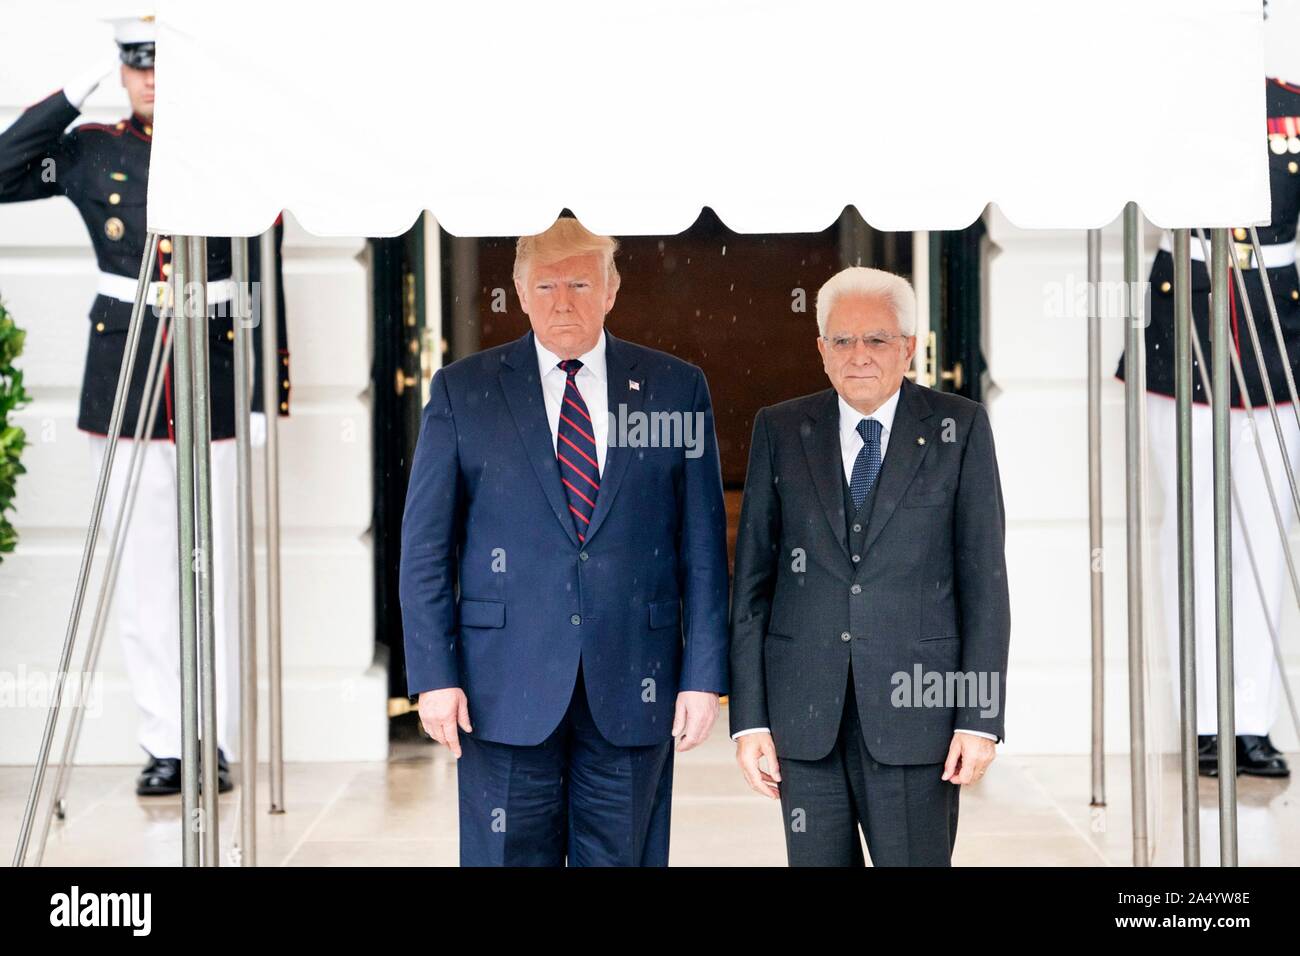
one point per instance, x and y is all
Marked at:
(902, 458)
(821, 445)
(619, 365)
(523, 390)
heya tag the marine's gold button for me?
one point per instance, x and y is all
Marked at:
(230, 335)
(1165, 286)
(1295, 294)
(165, 245)
(148, 131)
(99, 326)
(284, 406)
(1239, 234)
(166, 268)
(1293, 167)
(286, 383)
(114, 198)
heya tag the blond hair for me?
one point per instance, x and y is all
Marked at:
(566, 237)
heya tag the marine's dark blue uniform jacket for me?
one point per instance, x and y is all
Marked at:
(104, 170)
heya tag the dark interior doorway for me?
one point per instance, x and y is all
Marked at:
(742, 307)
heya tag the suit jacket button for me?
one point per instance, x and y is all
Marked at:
(583, 555)
(575, 620)
(857, 528)
(856, 589)
(857, 558)
(846, 637)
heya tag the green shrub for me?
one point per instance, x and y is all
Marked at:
(12, 438)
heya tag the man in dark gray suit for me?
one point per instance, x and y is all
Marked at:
(870, 618)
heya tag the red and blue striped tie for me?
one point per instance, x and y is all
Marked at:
(575, 448)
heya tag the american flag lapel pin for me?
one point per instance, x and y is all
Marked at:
(634, 385)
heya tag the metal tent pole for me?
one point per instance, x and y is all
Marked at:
(147, 415)
(1277, 325)
(131, 347)
(241, 319)
(1095, 563)
(1249, 314)
(1186, 564)
(1220, 349)
(271, 404)
(202, 411)
(192, 820)
(1245, 532)
(1133, 398)
(1270, 490)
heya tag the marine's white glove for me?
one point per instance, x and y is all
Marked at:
(83, 85)
(257, 429)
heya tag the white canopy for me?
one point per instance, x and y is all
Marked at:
(496, 114)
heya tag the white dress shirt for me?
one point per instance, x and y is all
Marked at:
(850, 444)
(591, 381)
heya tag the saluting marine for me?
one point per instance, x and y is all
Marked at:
(1257, 679)
(104, 171)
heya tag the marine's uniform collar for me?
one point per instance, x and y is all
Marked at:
(140, 126)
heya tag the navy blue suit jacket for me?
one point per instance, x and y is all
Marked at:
(498, 597)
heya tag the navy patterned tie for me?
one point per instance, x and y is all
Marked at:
(867, 465)
(575, 448)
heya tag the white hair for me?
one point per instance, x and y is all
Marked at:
(859, 281)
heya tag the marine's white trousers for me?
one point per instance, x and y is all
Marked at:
(146, 601)
(1256, 676)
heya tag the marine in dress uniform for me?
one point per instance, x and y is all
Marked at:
(1257, 679)
(104, 171)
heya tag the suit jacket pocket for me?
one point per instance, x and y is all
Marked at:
(927, 498)
(482, 613)
(932, 640)
(665, 613)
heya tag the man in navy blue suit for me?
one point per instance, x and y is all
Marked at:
(564, 573)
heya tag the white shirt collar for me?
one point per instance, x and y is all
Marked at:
(593, 361)
(850, 416)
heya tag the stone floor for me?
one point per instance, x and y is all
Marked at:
(1028, 811)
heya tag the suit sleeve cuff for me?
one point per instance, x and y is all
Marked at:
(978, 733)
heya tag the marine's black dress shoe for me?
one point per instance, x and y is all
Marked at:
(224, 782)
(1207, 755)
(160, 776)
(1258, 757)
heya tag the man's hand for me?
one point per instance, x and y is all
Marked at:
(750, 748)
(83, 84)
(441, 711)
(696, 712)
(969, 755)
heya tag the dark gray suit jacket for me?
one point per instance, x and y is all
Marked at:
(927, 598)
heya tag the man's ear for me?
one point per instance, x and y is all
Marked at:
(911, 348)
(519, 291)
(611, 291)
